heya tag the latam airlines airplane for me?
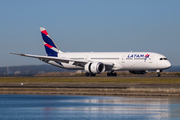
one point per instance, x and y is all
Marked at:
(98, 62)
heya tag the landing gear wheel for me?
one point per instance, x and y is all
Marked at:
(90, 74)
(108, 74)
(87, 74)
(158, 74)
(112, 74)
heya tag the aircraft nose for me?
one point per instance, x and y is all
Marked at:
(168, 64)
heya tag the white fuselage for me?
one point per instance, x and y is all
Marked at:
(120, 60)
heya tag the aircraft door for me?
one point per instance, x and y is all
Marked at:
(87, 57)
(150, 60)
(122, 60)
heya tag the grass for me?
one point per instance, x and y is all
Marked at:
(177, 74)
(148, 80)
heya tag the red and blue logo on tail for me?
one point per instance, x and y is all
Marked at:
(50, 46)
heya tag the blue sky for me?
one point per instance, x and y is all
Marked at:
(84, 26)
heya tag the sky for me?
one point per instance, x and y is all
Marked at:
(89, 25)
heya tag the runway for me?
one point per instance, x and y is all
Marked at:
(87, 85)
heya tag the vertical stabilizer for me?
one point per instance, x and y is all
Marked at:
(50, 46)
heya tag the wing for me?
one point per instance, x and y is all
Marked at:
(81, 63)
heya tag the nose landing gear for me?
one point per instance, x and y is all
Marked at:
(158, 73)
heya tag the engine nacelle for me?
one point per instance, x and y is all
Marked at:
(95, 67)
(137, 71)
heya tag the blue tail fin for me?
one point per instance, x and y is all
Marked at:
(50, 46)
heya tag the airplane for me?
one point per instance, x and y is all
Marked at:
(98, 62)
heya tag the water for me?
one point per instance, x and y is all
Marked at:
(57, 107)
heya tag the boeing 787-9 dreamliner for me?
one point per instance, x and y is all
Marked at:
(98, 62)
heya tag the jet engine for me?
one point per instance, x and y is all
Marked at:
(137, 71)
(95, 67)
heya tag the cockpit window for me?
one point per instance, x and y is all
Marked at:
(163, 59)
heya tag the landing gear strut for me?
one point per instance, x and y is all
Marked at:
(90, 74)
(158, 73)
(111, 74)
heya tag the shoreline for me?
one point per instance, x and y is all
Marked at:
(97, 91)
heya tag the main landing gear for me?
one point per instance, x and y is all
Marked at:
(90, 74)
(111, 74)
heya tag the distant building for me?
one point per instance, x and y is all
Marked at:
(17, 72)
(9, 72)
